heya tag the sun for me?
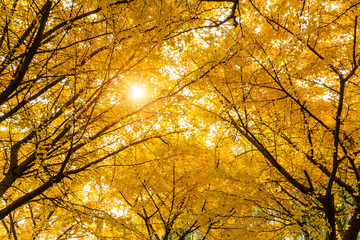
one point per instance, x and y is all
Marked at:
(137, 92)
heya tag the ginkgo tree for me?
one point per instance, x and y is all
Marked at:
(54, 103)
(290, 96)
(247, 126)
(67, 69)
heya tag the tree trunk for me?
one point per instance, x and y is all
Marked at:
(354, 226)
(329, 210)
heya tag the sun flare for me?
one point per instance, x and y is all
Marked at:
(137, 92)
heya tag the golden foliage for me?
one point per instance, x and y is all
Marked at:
(248, 128)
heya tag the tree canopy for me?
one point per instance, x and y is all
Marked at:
(169, 119)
